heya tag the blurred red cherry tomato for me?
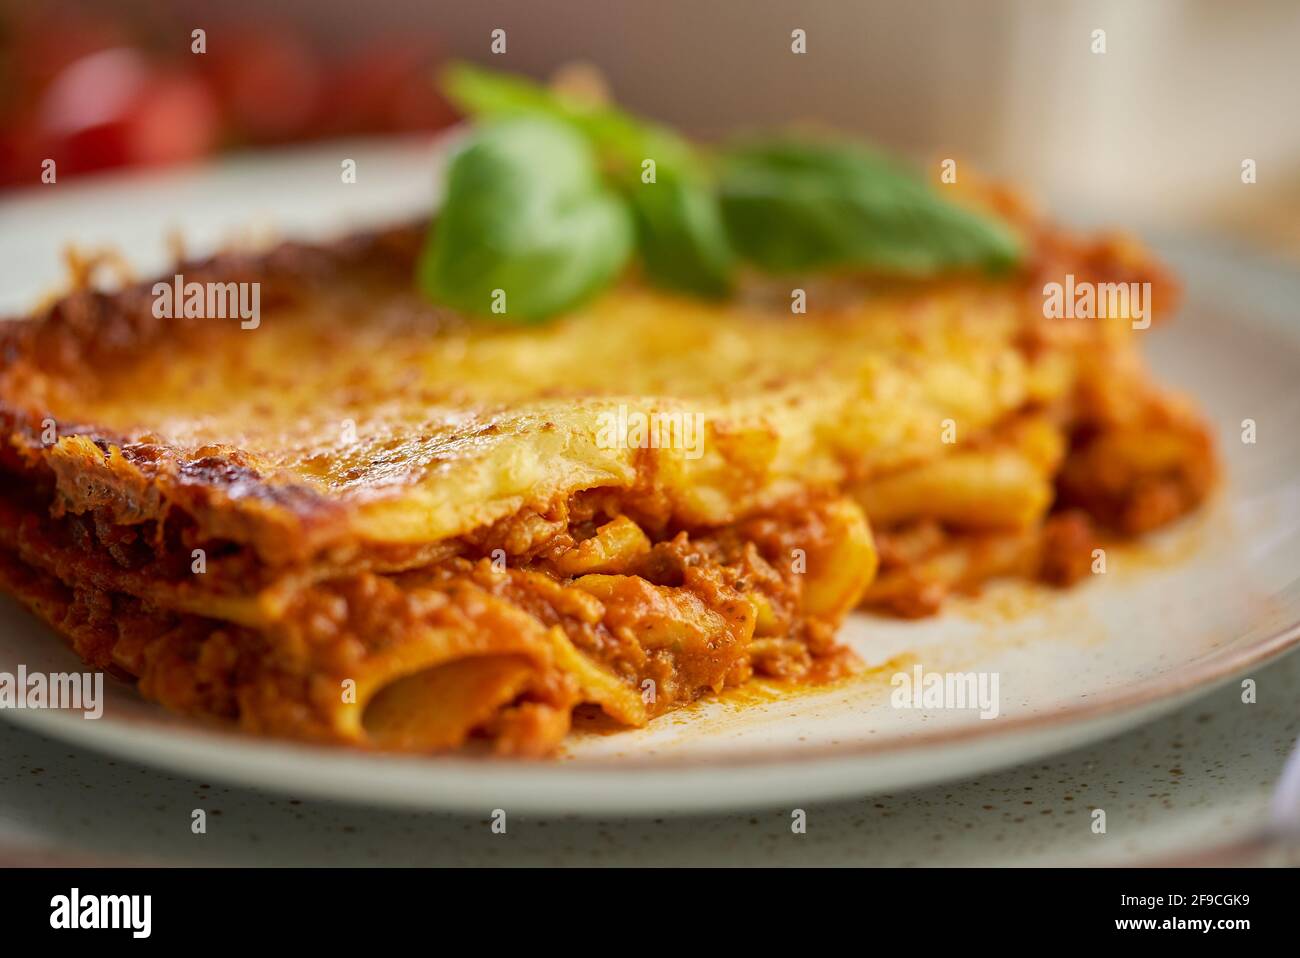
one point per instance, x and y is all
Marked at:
(114, 108)
(268, 80)
(176, 119)
(20, 150)
(387, 85)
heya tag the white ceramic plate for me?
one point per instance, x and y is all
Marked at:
(1199, 605)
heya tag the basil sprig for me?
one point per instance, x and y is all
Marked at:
(680, 234)
(797, 205)
(552, 193)
(528, 228)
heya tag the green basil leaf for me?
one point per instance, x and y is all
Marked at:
(527, 214)
(682, 238)
(618, 136)
(792, 206)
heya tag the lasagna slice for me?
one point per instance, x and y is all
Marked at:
(371, 521)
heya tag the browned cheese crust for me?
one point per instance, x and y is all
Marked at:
(371, 521)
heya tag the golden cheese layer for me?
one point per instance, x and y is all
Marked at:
(483, 526)
(354, 414)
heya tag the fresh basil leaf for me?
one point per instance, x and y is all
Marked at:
(681, 235)
(792, 206)
(617, 135)
(682, 240)
(526, 213)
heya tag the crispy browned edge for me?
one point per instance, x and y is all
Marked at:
(87, 328)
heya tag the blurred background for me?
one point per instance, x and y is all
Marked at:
(1153, 130)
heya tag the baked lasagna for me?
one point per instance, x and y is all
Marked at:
(373, 521)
